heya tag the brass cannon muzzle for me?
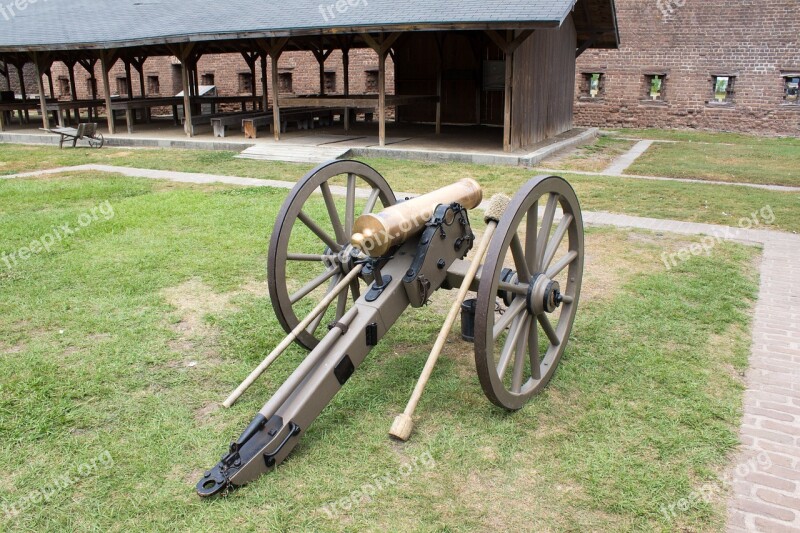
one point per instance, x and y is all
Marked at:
(376, 233)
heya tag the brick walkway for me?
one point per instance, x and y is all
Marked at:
(765, 477)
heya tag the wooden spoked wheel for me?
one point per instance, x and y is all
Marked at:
(97, 141)
(310, 249)
(523, 319)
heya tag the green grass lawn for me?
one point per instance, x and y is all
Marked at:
(593, 157)
(730, 157)
(669, 200)
(121, 340)
(702, 136)
(772, 162)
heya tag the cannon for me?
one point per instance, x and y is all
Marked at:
(347, 259)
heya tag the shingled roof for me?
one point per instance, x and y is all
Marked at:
(97, 24)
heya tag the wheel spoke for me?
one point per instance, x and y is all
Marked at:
(548, 329)
(514, 309)
(510, 345)
(371, 201)
(350, 206)
(319, 232)
(554, 270)
(313, 284)
(555, 242)
(314, 326)
(519, 260)
(355, 290)
(519, 360)
(533, 350)
(316, 258)
(530, 236)
(547, 225)
(333, 212)
(341, 305)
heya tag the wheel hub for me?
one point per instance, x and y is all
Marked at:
(544, 295)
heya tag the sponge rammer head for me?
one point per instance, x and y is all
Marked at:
(497, 206)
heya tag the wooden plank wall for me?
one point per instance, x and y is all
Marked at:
(544, 85)
(416, 65)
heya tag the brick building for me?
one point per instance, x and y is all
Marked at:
(731, 66)
(298, 73)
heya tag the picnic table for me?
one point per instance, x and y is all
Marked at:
(145, 104)
(62, 108)
(7, 110)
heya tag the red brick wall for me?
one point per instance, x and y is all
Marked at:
(689, 41)
(226, 69)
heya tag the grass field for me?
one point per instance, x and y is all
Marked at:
(593, 157)
(729, 157)
(117, 345)
(669, 200)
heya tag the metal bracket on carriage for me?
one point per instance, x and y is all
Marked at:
(447, 237)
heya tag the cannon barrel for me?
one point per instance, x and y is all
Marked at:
(376, 233)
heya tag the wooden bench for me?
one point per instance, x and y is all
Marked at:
(221, 123)
(302, 118)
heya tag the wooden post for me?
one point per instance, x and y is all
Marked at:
(89, 66)
(507, 107)
(37, 61)
(346, 68)
(439, 68)
(49, 74)
(21, 75)
(276, 107)
(73, 87)
(275, 51)
(250, 58)
(264, 83)
(128, 79)
(106, 63)
(382, 48)
(187, 97)
(382, 99)
(508, 45)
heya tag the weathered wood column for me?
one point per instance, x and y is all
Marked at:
(275, 50)
(23, 92)
(508, 45)
(346, 68)
(89, 66)
(321, 55)
(264, 83)
(381, 45)
(40, 62)
(185, 55)
(107, 60)
(439, 70)
(128, 78)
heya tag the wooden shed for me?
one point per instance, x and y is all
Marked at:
(491, 62)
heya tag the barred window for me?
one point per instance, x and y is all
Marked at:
(723, 89)
(593, 85)
(792, 89)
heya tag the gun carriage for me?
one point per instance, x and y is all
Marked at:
(347, 259)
